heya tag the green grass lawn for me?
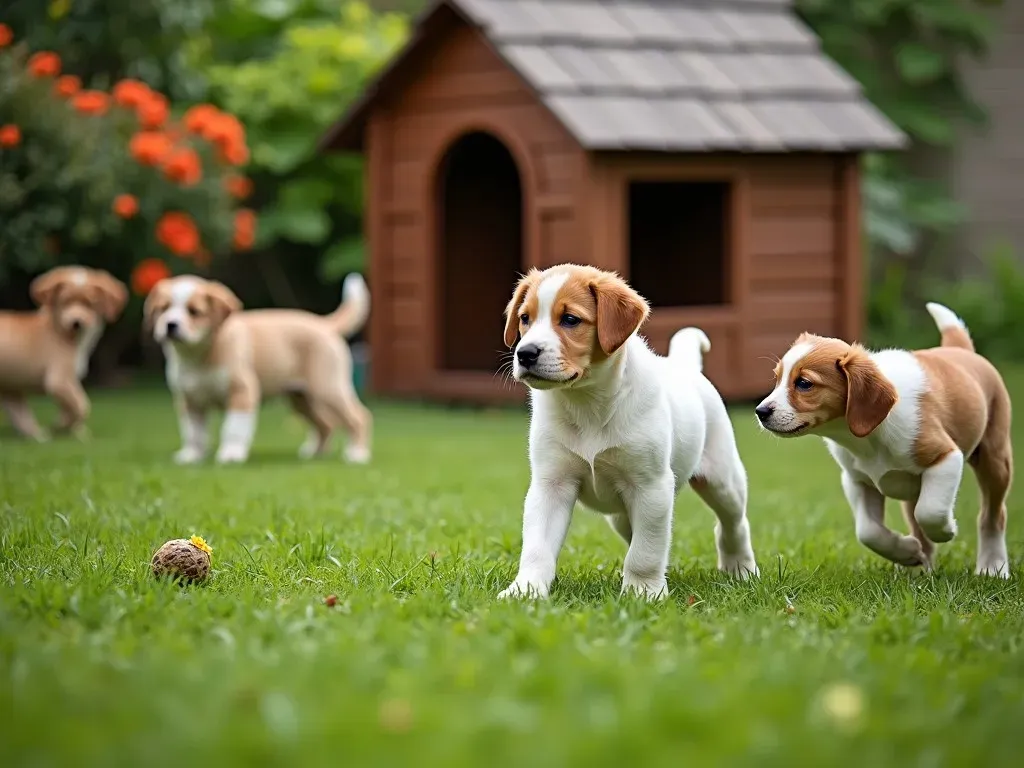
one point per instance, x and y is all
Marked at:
(833, 657)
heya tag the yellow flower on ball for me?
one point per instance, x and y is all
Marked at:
(200, 542)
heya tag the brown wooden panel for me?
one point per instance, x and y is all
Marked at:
(792, 196)
(813, 311)
(558, 168)
(775, 235)
(558, 238)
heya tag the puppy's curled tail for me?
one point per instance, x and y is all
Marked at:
(351, 315)
(688, 346)
(954, 331)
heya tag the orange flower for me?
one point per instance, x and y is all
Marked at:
(224, 130)
(91, 102)
(183, 166)
(235, 154)
(126, 206)
(245, 229)
(178, 233)
(153, 110)
(44, 64)
(238, 186)
(10, 136)
(130, 93)
(199, 117)
(67, 85)
(147, 274)
(150, 147)
(6, 36)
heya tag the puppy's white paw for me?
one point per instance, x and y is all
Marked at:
(188, 455)
(311, 448)
(995, 568)
(357, 454)
(650, 590)
(232, 454)
(939, 527)
(911, 554)
(742, 566)
(531, 590)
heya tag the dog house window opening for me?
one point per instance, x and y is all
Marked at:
(679, 242)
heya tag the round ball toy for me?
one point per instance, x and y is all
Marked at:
(184, 560)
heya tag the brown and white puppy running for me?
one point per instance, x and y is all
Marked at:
(900, 424)
(219, 357)
(48, 351)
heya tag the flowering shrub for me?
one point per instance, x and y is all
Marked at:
(113, 178)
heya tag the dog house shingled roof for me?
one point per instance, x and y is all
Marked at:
(668, 75)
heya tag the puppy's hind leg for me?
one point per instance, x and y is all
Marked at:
(994, 469)
(321, 426)
(721, 481)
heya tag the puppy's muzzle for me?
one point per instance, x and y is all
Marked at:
(528, 355)
(173, 331)
(764, 412)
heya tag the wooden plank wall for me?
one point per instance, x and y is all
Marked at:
(461, 86)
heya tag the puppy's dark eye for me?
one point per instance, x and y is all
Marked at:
(524, 319)
(570, 321)
(193, 312)
(802, 384)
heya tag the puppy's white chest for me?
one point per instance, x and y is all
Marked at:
(891, 476)
(200, 385)
(86, 344)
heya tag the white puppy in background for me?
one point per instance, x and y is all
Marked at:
(618, 428)
(219, 357)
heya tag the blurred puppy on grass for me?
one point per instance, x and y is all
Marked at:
(48, 351)
(219, 357)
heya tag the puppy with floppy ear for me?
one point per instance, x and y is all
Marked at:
(48, 350)
(901, 424)
(220, 357)
(618, 428)
(869, 395)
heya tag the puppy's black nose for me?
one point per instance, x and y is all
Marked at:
(172, 329)
(76, 325)
(764, 411)
(528, 354)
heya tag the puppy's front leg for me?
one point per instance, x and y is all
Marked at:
(74, 404)
(939, 484)
(868, 507)
(22, 418)
(194, 437)
(239, 426)
(546, 516)
(650, 513)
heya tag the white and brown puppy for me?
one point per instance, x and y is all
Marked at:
(48, 351)
(219, 357)
(901, 424)
(618, 428)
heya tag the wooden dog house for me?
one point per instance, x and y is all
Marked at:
(707, 150)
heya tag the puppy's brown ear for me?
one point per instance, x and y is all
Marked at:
(156, 302)
(113, 295)
(512, 309)
(620, 312)
(223, 301)
(869, 395)
(44, 289)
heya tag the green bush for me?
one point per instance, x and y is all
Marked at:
(76, 155)
(313, 58)
(992, 306)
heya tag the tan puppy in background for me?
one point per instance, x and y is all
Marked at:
(48, 351)
(901, 424)
(219, 357)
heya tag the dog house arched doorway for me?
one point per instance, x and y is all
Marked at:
(480, 254)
